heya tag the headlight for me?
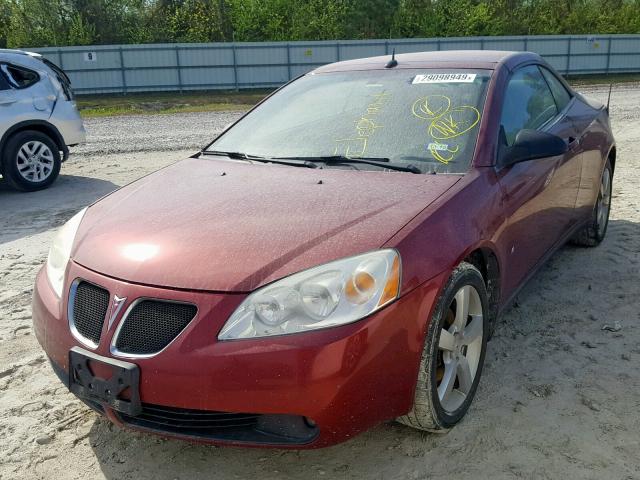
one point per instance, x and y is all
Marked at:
(60, 252)
(333, 294)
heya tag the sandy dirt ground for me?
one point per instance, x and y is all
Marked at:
(559, 397)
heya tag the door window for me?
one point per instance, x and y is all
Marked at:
(4, 85)
(528, 103)
(560, 94)
(18, 77)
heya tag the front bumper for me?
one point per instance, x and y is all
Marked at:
(344, 379)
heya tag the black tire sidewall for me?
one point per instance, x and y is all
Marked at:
(10, 165)
(466, 276)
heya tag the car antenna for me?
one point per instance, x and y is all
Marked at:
(609, 96)
(393, 62)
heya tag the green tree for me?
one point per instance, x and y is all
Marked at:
(5, 16)
(196, 21)
(37, 23)
(80, 32)
(371, 18)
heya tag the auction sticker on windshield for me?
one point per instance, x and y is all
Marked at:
(445, 78)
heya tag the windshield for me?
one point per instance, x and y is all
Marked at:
(422, 118)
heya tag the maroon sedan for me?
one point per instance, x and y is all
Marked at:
(335, 259)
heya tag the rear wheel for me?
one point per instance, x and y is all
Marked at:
(593, 233)
(31, 161)
(453, 353)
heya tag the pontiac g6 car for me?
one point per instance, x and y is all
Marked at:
(335, 259)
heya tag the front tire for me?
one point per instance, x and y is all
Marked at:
(453, 353)
(31, 161)
(592, 234)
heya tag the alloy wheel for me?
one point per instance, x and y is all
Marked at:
(459, 348)
(35, 161)
(604, 202)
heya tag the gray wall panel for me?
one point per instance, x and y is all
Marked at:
(152, 77)
(351, 51)
(262, 75)
(149, 58)
(207, 76)
(261, 55)
(127, 68)
(201, 57)
(312, 54)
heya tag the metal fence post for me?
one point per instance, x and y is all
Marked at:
(526, 44)
(177, 49)
(438, 43)
(482, 43)
(386, 47)
(122, 72)
(235, 66)
(288, 61)
(60, 62)
(568, 56)
(337, 51)
(608, 54)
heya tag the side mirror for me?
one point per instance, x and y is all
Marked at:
(532, 144)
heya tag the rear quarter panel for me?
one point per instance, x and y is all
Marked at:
(596, 140)
(35, 102)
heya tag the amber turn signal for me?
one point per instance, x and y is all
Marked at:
(392, 288)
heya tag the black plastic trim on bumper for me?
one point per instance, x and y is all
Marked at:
(277, 429)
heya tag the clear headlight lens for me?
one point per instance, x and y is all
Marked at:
(60, 252)
(333, 294)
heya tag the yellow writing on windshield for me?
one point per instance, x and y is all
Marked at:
(430, 107)
(454, 123)
(445, 123)
(365, 128)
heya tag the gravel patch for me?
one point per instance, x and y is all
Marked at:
(144, 133)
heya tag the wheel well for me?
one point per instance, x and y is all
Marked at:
(487, 262)
(38, 126)
(48, 130)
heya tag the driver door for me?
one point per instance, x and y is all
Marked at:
(538, 195)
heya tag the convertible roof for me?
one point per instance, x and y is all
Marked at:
(482, 59)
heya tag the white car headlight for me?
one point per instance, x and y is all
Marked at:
(333, 294)
(60, 252)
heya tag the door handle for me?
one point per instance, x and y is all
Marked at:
(573, 142)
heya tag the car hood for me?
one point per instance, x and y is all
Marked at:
(218, 225)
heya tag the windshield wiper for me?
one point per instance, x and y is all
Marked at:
(257, 158)
(378, 162)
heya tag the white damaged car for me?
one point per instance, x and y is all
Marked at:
(38, 120)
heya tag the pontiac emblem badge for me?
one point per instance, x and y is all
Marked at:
(116, 306)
